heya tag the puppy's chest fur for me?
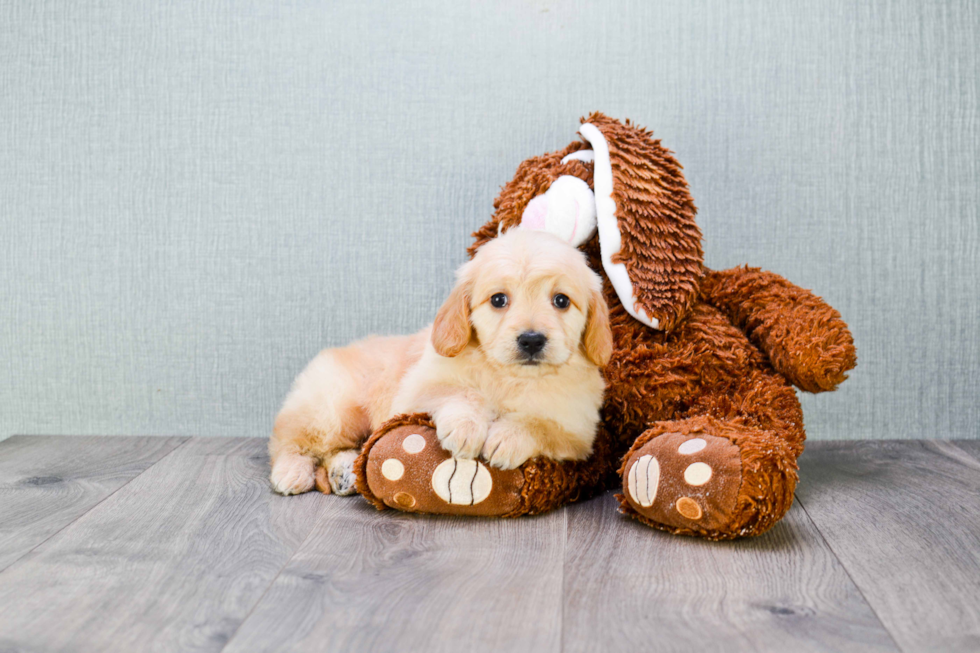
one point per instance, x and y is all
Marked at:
(569, 395)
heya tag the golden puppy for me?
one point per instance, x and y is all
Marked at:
(509, 370)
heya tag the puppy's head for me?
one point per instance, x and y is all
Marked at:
(528, 301)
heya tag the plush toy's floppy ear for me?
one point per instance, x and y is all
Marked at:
(597, 341)
(650, 244)
(451, 330)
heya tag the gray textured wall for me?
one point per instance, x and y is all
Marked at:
(196, 197)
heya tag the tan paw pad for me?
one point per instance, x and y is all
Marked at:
(689, 508)
(404, 500)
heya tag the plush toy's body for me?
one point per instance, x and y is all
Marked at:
(700, 420)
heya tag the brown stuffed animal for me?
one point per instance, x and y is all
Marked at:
(700, 419)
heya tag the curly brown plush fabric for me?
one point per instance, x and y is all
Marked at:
(806, 340)
(719, 369)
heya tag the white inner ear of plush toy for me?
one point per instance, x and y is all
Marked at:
(567, 210)
(610, 238)
(581, 155)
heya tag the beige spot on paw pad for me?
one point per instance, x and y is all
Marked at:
(392, 469)
(697, 474)
(693, 445)
(644, 477)
(413, 443)
(461, 481)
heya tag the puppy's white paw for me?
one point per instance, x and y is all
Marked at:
(463, 436)
(508, 445)
(340, 472)
(293, 474)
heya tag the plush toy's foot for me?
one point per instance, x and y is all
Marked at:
(708, 478)
(408, 469)
(684, 481)
(403, 466)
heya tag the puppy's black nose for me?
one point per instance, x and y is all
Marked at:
(531, 342)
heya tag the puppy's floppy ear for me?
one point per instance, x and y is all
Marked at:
(451, 330)
(598, 341)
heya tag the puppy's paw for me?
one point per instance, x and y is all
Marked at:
(293, 474)
(461, 435)
(508, 445)
(340, 472)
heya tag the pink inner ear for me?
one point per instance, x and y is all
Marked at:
(535, 213)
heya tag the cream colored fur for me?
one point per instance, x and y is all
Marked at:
(465, 370)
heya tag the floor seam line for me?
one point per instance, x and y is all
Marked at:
(271, 583)
(847, 572)
(956, 445)
(97, 504)
(564, 567)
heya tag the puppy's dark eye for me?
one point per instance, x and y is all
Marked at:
(561, 301)
(498, 300)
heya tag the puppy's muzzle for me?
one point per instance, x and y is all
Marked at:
(530, 344)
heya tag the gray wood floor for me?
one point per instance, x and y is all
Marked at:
(177, 544)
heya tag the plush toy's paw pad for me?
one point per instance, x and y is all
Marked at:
(293, 474)
(339, 473)
(407, 469)
(684, 481)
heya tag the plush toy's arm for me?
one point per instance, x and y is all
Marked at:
(805, 338)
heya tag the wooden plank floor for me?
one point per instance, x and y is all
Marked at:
(177, 544)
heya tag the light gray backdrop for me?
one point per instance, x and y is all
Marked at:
(196, 197)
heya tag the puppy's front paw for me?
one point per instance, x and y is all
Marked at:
(462, 436)
(293, 474)
(508, 445)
